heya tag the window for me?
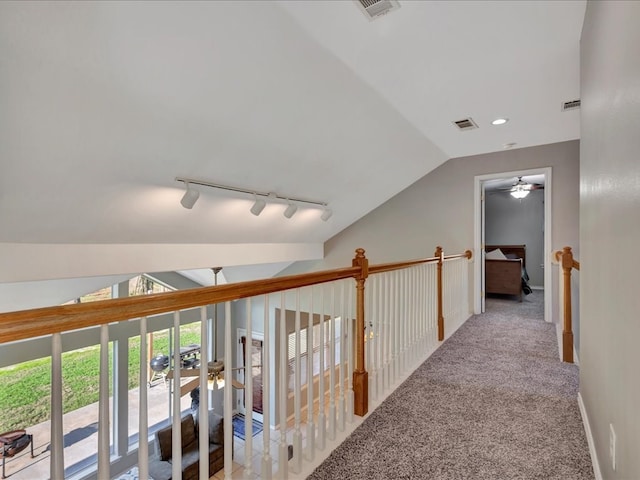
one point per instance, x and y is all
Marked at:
(321, 345)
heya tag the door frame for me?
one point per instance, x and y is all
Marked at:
(478, 228)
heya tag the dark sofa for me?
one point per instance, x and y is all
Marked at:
(160, 466)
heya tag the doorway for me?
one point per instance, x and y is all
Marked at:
(480, 195)
(256, 371)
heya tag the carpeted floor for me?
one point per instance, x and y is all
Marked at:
(494, 402)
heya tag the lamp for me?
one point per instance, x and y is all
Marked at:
(290, 210)
(258, 206)
(326, 214)
(190, 197)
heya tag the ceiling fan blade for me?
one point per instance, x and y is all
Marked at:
(235, 383)
(190, 385)
(191, 372)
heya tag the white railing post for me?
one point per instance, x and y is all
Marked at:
(248, 398)
(310, 354)
(267, 469)
(143, 406)
(104, 450)
(57, 434)
(228, 394)
(203, 408)
(322, 420)
(283, 457)
(349, 346)
(176, 430)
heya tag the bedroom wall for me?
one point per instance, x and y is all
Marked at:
(509, 221)
(610, 231)
(439, 210)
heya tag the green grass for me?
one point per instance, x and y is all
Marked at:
(25, 396)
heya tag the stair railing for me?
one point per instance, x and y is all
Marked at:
(404, 300)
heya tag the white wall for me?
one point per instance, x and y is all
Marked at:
(438, 210)
(610, 231)
(509, 221)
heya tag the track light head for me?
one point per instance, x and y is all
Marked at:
(326, 214)
(290, 210)
(190, 198)
(258, 206)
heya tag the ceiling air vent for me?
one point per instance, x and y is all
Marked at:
(465, 124)
(572, 105)
(373, 9)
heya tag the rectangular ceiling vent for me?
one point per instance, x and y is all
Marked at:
(466, 124)
(373, 9)
(572, 105)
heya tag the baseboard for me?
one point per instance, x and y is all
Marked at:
(592, 446)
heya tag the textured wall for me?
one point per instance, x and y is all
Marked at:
(610, 231)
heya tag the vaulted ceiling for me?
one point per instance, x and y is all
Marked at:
(103, 104)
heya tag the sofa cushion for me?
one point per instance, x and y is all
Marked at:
(164, 437)
(216, 428)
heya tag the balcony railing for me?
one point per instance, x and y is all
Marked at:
(350, 343)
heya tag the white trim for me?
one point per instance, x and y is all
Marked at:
(587, 431)
(477, 229)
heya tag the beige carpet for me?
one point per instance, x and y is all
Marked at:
(494, 402)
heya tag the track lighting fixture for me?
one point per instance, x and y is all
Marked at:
(190, 197)
(260, 198)
(326, 214)
(258, 206)
(290, 210)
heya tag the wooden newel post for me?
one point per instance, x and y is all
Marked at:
(440, 256)
(360, 375)
(567, 333)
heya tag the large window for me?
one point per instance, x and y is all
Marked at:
(321, 346)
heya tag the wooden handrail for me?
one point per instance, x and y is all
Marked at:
(45, 321)
(567, 263)
(388, 267)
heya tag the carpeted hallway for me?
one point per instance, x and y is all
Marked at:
(493, 402)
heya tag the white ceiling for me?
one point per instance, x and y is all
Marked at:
(105, 103)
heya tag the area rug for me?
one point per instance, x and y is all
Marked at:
(238, 426)
(131, 475)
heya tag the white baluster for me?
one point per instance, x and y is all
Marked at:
(297, 394)
(343, 346)
(203, 409)
(283, 458)
(57, 434)
(228, 394)
(349, 346)
(176, 441)
(322, 420)
(310, 353)
(248, 398)
(267, 462)
(332, 366)
(143, 406)
(371, 327)
(104, 450)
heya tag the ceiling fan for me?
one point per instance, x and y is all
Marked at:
(521, 189)
(215, 368)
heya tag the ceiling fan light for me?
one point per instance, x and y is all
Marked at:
(519, 192)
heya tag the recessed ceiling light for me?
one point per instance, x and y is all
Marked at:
(500, 121)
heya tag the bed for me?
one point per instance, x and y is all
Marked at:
(505, 270)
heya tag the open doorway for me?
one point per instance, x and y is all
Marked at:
(256, 346)
(498, 186)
